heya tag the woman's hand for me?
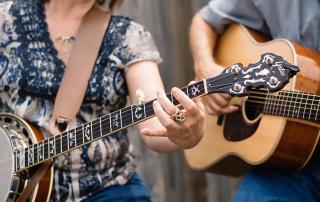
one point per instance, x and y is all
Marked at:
(185, 135)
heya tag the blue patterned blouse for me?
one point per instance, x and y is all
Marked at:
(30, 74)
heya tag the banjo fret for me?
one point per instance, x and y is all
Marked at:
(22, 158)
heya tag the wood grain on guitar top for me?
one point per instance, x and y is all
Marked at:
(300, 138)
(278, 141)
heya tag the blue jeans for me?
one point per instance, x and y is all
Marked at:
(133, 191)
(262, 185)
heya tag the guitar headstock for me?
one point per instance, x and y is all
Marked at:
(271, 72)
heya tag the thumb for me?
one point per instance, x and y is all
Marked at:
(153, 132)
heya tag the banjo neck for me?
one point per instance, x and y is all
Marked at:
(271, 72)
(94, 130)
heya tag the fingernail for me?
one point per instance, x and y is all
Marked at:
(155, 103)
(174, 89)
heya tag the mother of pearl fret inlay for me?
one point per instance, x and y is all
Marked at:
(195, 90)
(87, 131)
(30, 155)
(51, 147)
(138, 112)
(40, 151)
(72, 139)
(116, 120)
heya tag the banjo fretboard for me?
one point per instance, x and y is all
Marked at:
(94, 130)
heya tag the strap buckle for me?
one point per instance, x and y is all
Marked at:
(62, 123)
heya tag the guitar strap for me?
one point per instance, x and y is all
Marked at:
(77, 74)
(34, 180)
(74, 82)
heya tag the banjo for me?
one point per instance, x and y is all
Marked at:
(23, 147)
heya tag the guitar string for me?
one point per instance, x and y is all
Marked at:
(283, 96)
(311, 115)
(276, 99)
(290, 108)
(279, 99)
(288, 94)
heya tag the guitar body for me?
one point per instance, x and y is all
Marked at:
(235, 142)
(16, 133)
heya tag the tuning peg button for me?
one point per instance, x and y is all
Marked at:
(235, 69)
(273, 80)
(268, 59)
(237, 87)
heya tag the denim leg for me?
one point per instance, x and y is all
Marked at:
(266, 185)
(133, 191)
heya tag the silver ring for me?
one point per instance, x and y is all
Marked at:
(178, 117)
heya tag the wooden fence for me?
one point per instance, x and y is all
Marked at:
(167, 175)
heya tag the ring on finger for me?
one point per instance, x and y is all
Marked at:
(178, 117)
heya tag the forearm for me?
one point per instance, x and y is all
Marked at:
(202, 42)
(149, 85)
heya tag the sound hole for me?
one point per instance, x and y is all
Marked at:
(255, 103)
(253, 109)
(236, 127)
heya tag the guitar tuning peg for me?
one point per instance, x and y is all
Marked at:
(235, 69)
(273, 80)
(237, 87)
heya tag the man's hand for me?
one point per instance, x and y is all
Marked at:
(217, 103)
(202, 42)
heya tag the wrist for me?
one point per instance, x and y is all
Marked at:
(205, 69)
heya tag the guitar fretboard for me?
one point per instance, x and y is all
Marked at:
(94, 130)
(289, 104)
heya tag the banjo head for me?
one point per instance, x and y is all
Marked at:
(6, 164)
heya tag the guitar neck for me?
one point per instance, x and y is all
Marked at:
(290, 104)
(96, 129)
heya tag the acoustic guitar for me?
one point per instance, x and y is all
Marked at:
(280, 129)
(23, 146)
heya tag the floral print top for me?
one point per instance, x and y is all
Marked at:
(30, 75)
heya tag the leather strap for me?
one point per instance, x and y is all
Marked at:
(77, 74)
(35, 179)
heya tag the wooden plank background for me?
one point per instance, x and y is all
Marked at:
(167, 175)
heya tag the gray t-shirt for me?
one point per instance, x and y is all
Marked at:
(296, 20)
